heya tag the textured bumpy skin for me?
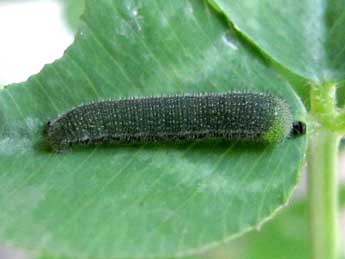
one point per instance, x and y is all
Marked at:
(235, 116)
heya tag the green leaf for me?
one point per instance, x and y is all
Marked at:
(285, 237)
(149, 200)
(72, 12)
(307, 37)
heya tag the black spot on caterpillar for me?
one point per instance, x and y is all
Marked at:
(298, 128)
(234, 116)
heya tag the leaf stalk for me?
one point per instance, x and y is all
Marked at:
(322, 174)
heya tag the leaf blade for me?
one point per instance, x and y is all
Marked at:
(183, 197)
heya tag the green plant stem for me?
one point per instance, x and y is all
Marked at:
(322, 176)
(323, 194)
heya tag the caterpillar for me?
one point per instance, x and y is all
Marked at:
(233, 116)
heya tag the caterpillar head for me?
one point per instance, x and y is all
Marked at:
(298, 128)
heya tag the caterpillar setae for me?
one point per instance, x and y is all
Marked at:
(234, 116)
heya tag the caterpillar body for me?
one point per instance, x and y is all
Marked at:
(233, 116)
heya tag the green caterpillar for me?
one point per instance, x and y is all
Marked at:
(234, 116)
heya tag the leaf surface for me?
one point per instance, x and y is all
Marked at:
(149, 200)
(307, 37)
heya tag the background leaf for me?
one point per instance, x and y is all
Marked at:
(286, 236)
(140, 201)
(72, 12)
(306, 37)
